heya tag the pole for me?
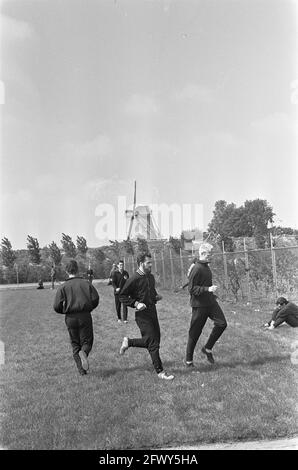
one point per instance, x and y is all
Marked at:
(163, 269)
(247, 270)
(17, 273)
(172, 268)
(181, 265)
(225, 266)
(154, 260)
(273, 258)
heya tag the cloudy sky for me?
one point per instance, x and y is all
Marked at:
(196, 100)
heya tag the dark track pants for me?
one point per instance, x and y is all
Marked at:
(147, 321)
(118, 309)
(80, 329)
(198, 320)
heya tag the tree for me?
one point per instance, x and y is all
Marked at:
(142, 245)
(249, 220)
(82, 246)
(258, 213)
(68, 246)
(116, 248)
(8, 255)
(55, 253)
(99, 255)
(128, 247)
(176, 243)
(33, 249)
(221, 225)
(99, 263)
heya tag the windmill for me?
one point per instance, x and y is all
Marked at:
(142, 217)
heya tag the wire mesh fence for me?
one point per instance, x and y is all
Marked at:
(246, 275)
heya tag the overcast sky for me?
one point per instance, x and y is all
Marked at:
(194, 99)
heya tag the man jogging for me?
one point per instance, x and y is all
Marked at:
(76, 298)
(119, 278)
(139, 293)
(204, 306)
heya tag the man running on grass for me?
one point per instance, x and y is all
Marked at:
(76, 298)
(204, 306)
(139, 293)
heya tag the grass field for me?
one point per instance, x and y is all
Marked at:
(250, 393)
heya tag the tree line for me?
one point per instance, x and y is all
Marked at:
(253, 219)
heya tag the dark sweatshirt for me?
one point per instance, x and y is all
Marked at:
(119, 279)
(287, 313)
(76, 295)
(139, 287)
(200, 279)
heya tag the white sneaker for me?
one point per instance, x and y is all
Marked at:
(84, 360)
(165, 376)
(124, 346)
(125, 321)
(119, 321)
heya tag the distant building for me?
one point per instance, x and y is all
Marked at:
(192, 239)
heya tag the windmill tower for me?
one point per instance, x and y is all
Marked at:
(142, 221)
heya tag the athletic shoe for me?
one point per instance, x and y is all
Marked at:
(165, 376)
(189, 364)
(209, 355)
(119, 321)
(82, 372)
(124, 346)
(125, 321)
(84, 360)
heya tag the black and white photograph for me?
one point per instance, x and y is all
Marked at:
(148, 229)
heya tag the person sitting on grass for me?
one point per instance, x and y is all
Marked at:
(284, 312)
(40, 284)
(76, 298)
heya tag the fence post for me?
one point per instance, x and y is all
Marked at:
(247, 270)
(225, 266)
(154, 259)
(172, 268)
(182, 267)
(163, 269)
(17, 272)
(273, 258)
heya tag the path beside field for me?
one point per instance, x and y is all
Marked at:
(47, 285)
(275, 444)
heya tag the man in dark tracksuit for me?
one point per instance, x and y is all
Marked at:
(285, 312)
(118, 280)
(204, 305)
(139, 293)
(76, 298)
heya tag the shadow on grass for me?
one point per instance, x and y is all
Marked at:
(105, 373)
(172, 367)
(206, 367)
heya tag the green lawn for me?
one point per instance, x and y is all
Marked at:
(251, 391)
